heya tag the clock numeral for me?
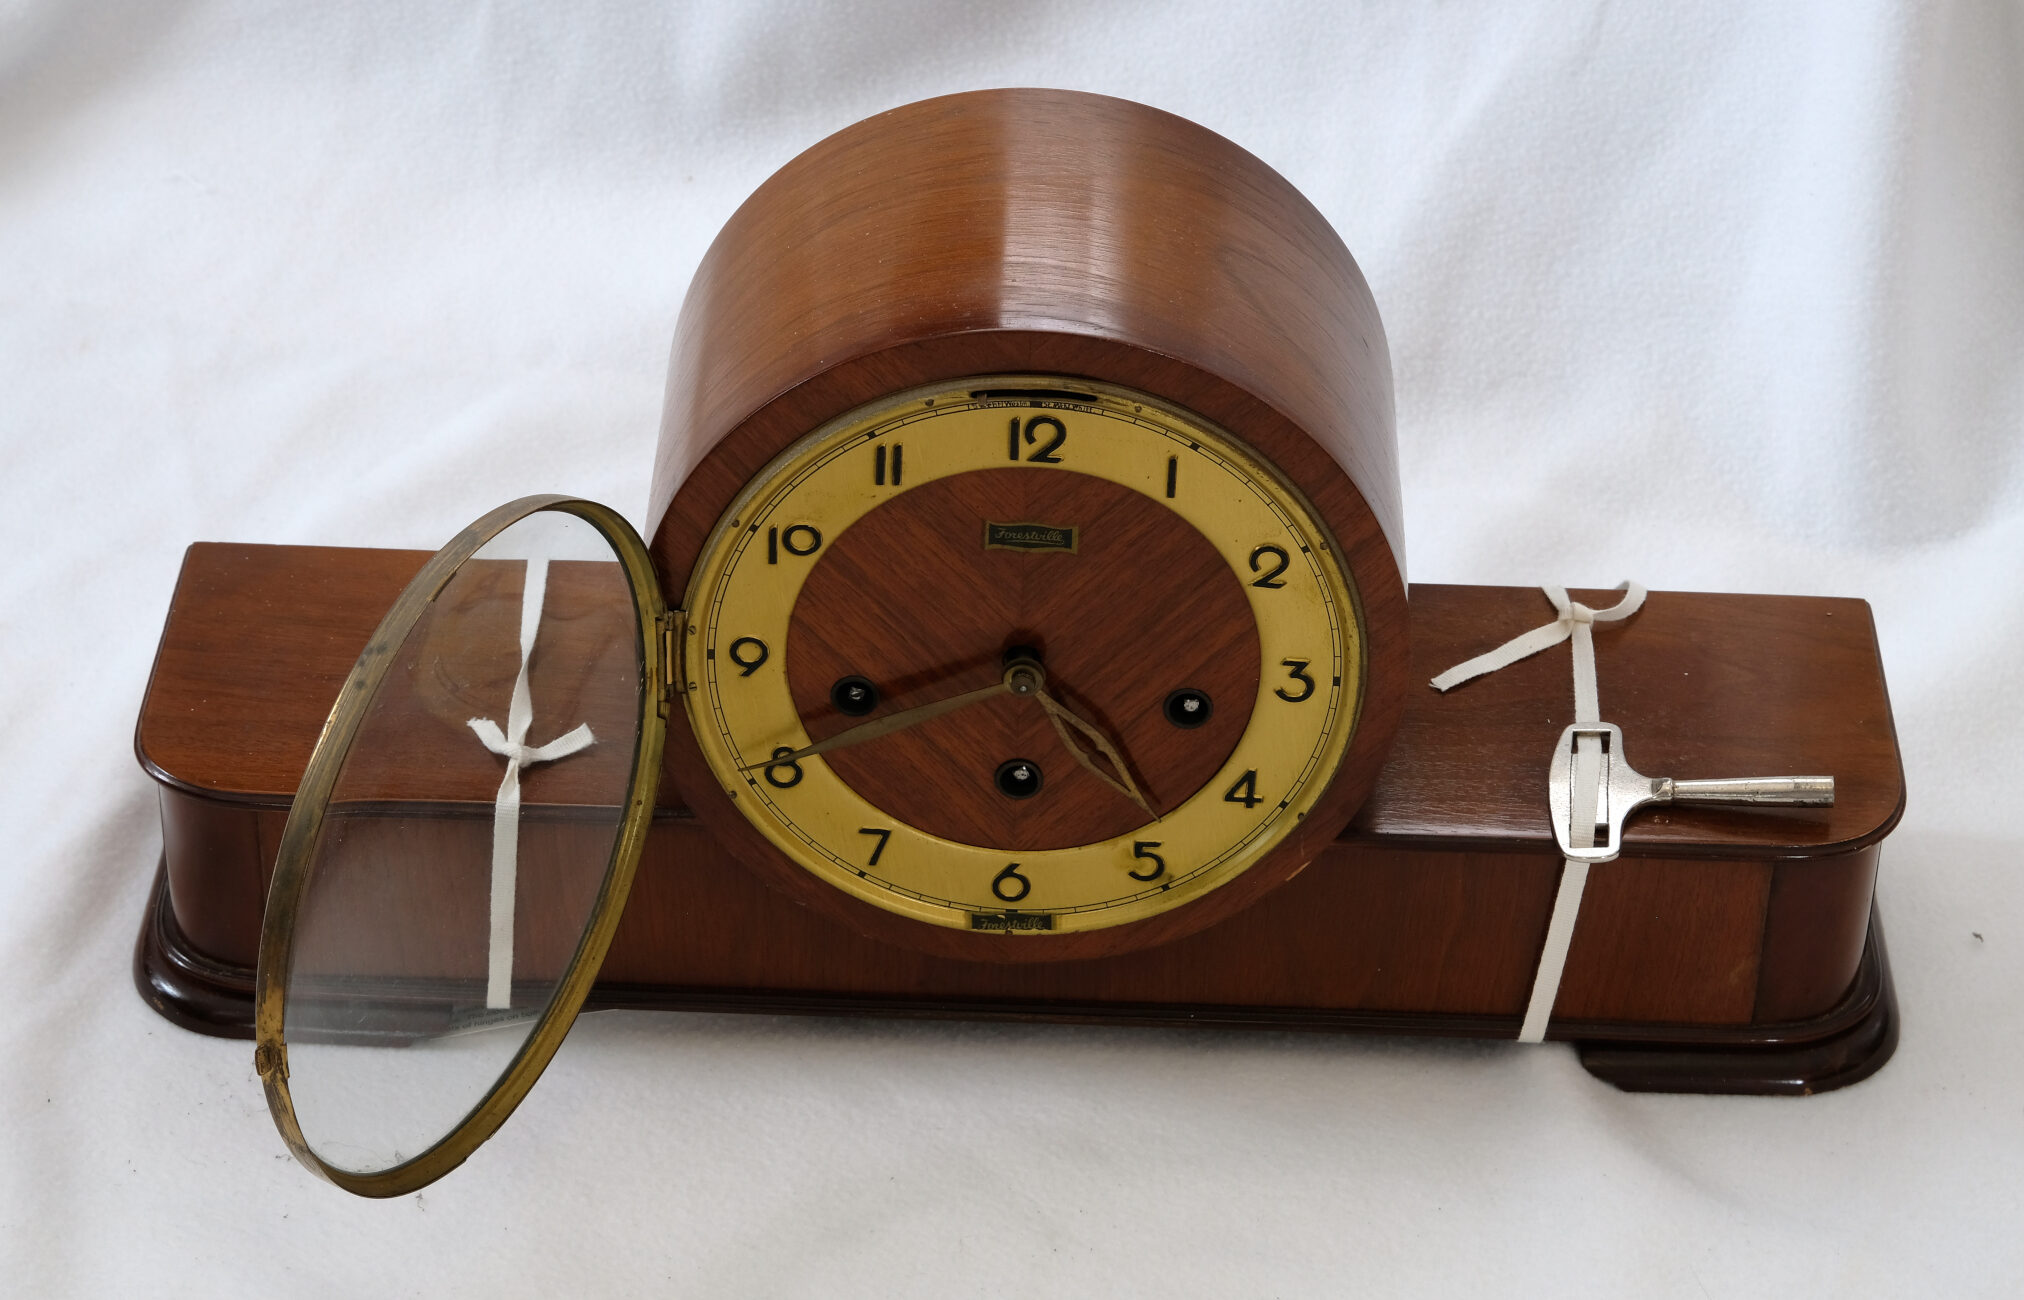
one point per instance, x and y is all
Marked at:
(795, 539)
(879, 462)
(1269, 580)
(793, 770)
(1044, 456)
(1009, 885)
(1245, 791)
(1143, 849)
(1173, 475)
(880, 848)
(755, 654)
(1297, 670)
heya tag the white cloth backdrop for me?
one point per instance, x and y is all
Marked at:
(1716, 297)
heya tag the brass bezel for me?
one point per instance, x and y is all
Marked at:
(305, 822)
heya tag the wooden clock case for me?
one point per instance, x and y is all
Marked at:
(1725, 951)
(963, 237)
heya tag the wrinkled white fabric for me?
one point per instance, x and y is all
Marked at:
(1729, 296)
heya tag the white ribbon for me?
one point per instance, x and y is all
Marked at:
(511, 745)
(1575, 621)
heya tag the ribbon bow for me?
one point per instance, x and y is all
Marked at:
(511, 744)
(1574, 621)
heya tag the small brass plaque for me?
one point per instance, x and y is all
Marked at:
(1010, 921)
(1028, 537)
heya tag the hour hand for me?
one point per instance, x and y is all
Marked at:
(1068, 723)
(1065, 718)
(1018, 680)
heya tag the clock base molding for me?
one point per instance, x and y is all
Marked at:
(1846, 1045)
(1727, 950)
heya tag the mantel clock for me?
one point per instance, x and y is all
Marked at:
(1021, 613)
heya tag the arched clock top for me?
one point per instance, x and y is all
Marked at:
(1105, 237)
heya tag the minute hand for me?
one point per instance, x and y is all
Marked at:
(887, 725)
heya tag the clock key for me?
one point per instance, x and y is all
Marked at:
(1621, 790)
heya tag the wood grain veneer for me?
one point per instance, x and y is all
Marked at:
(1433, 904)
(1180, 621)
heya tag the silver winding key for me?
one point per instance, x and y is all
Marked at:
(1621, 791)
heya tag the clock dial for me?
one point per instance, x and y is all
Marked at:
(1183, 615)
(1174, 618)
